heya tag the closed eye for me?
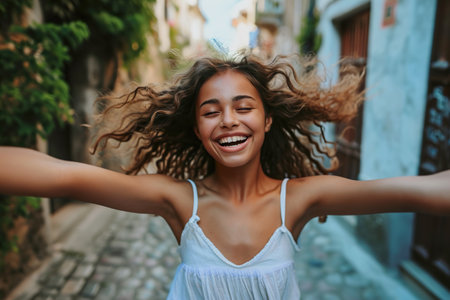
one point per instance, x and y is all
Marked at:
(210, 113)
(244, 109)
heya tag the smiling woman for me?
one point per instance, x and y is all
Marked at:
(162, 123)
(240, 131)
(230, 119)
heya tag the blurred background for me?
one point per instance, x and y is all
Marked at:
(58, 56)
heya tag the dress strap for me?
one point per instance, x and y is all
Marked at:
(283, 200)
(194, 189)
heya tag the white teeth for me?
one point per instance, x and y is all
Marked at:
(232, 139)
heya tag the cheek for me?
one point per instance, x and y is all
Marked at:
(259, 122)
(203, 129)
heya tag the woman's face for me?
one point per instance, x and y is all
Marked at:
(231, 121)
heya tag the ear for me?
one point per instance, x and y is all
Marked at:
(268, 123)
(197, 133)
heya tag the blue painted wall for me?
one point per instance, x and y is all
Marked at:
(397, 78)
(397, 81)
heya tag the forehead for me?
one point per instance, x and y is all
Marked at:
(226, 85)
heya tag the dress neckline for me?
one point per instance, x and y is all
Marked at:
(275, 235)
(193, 221)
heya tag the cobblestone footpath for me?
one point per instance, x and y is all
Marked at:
(324, 273)
(137, 256)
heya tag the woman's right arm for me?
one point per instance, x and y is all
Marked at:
(32, 173)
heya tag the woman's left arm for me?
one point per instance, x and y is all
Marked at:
(340, 196)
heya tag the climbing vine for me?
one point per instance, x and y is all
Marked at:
(33, 93)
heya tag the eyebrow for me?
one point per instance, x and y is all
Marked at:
(234, 99)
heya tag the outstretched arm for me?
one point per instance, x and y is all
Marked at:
(340, 196)
(28, 172)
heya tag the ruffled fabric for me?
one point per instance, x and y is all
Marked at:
(223, 284)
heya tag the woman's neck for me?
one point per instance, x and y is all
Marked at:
(241, 184)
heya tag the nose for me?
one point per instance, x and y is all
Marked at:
(229, 119)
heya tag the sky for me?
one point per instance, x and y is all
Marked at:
(218, 14)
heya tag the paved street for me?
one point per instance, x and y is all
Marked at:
(137, 256)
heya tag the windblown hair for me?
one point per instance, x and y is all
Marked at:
(161, 123)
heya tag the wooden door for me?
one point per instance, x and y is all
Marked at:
(431, 247)
(354, 33)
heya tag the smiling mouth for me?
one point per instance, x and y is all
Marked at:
(232, 141)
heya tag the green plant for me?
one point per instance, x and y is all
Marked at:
(121, 25)
(10, 11)
(10, 210)
(33, 98)
(309, 39)
(34, 94)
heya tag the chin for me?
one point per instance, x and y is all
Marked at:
(234, 162)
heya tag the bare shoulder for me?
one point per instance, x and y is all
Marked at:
(176, 194)
(314, 186)
(306, 194)
(302, 193)
(320, 185)
(167, 188)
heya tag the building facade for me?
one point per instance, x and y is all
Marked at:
(403, 127)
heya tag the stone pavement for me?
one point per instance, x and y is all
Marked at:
(324, 273)
(137, 256)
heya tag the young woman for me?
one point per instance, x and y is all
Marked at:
(238, 130)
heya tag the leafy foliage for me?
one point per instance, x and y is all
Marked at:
(33, 97)
(10, 210)
(120, 25)
(34, 94)
(11, 10)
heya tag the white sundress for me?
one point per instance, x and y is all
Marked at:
(204, 273)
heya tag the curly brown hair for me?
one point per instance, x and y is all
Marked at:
(161, 122)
